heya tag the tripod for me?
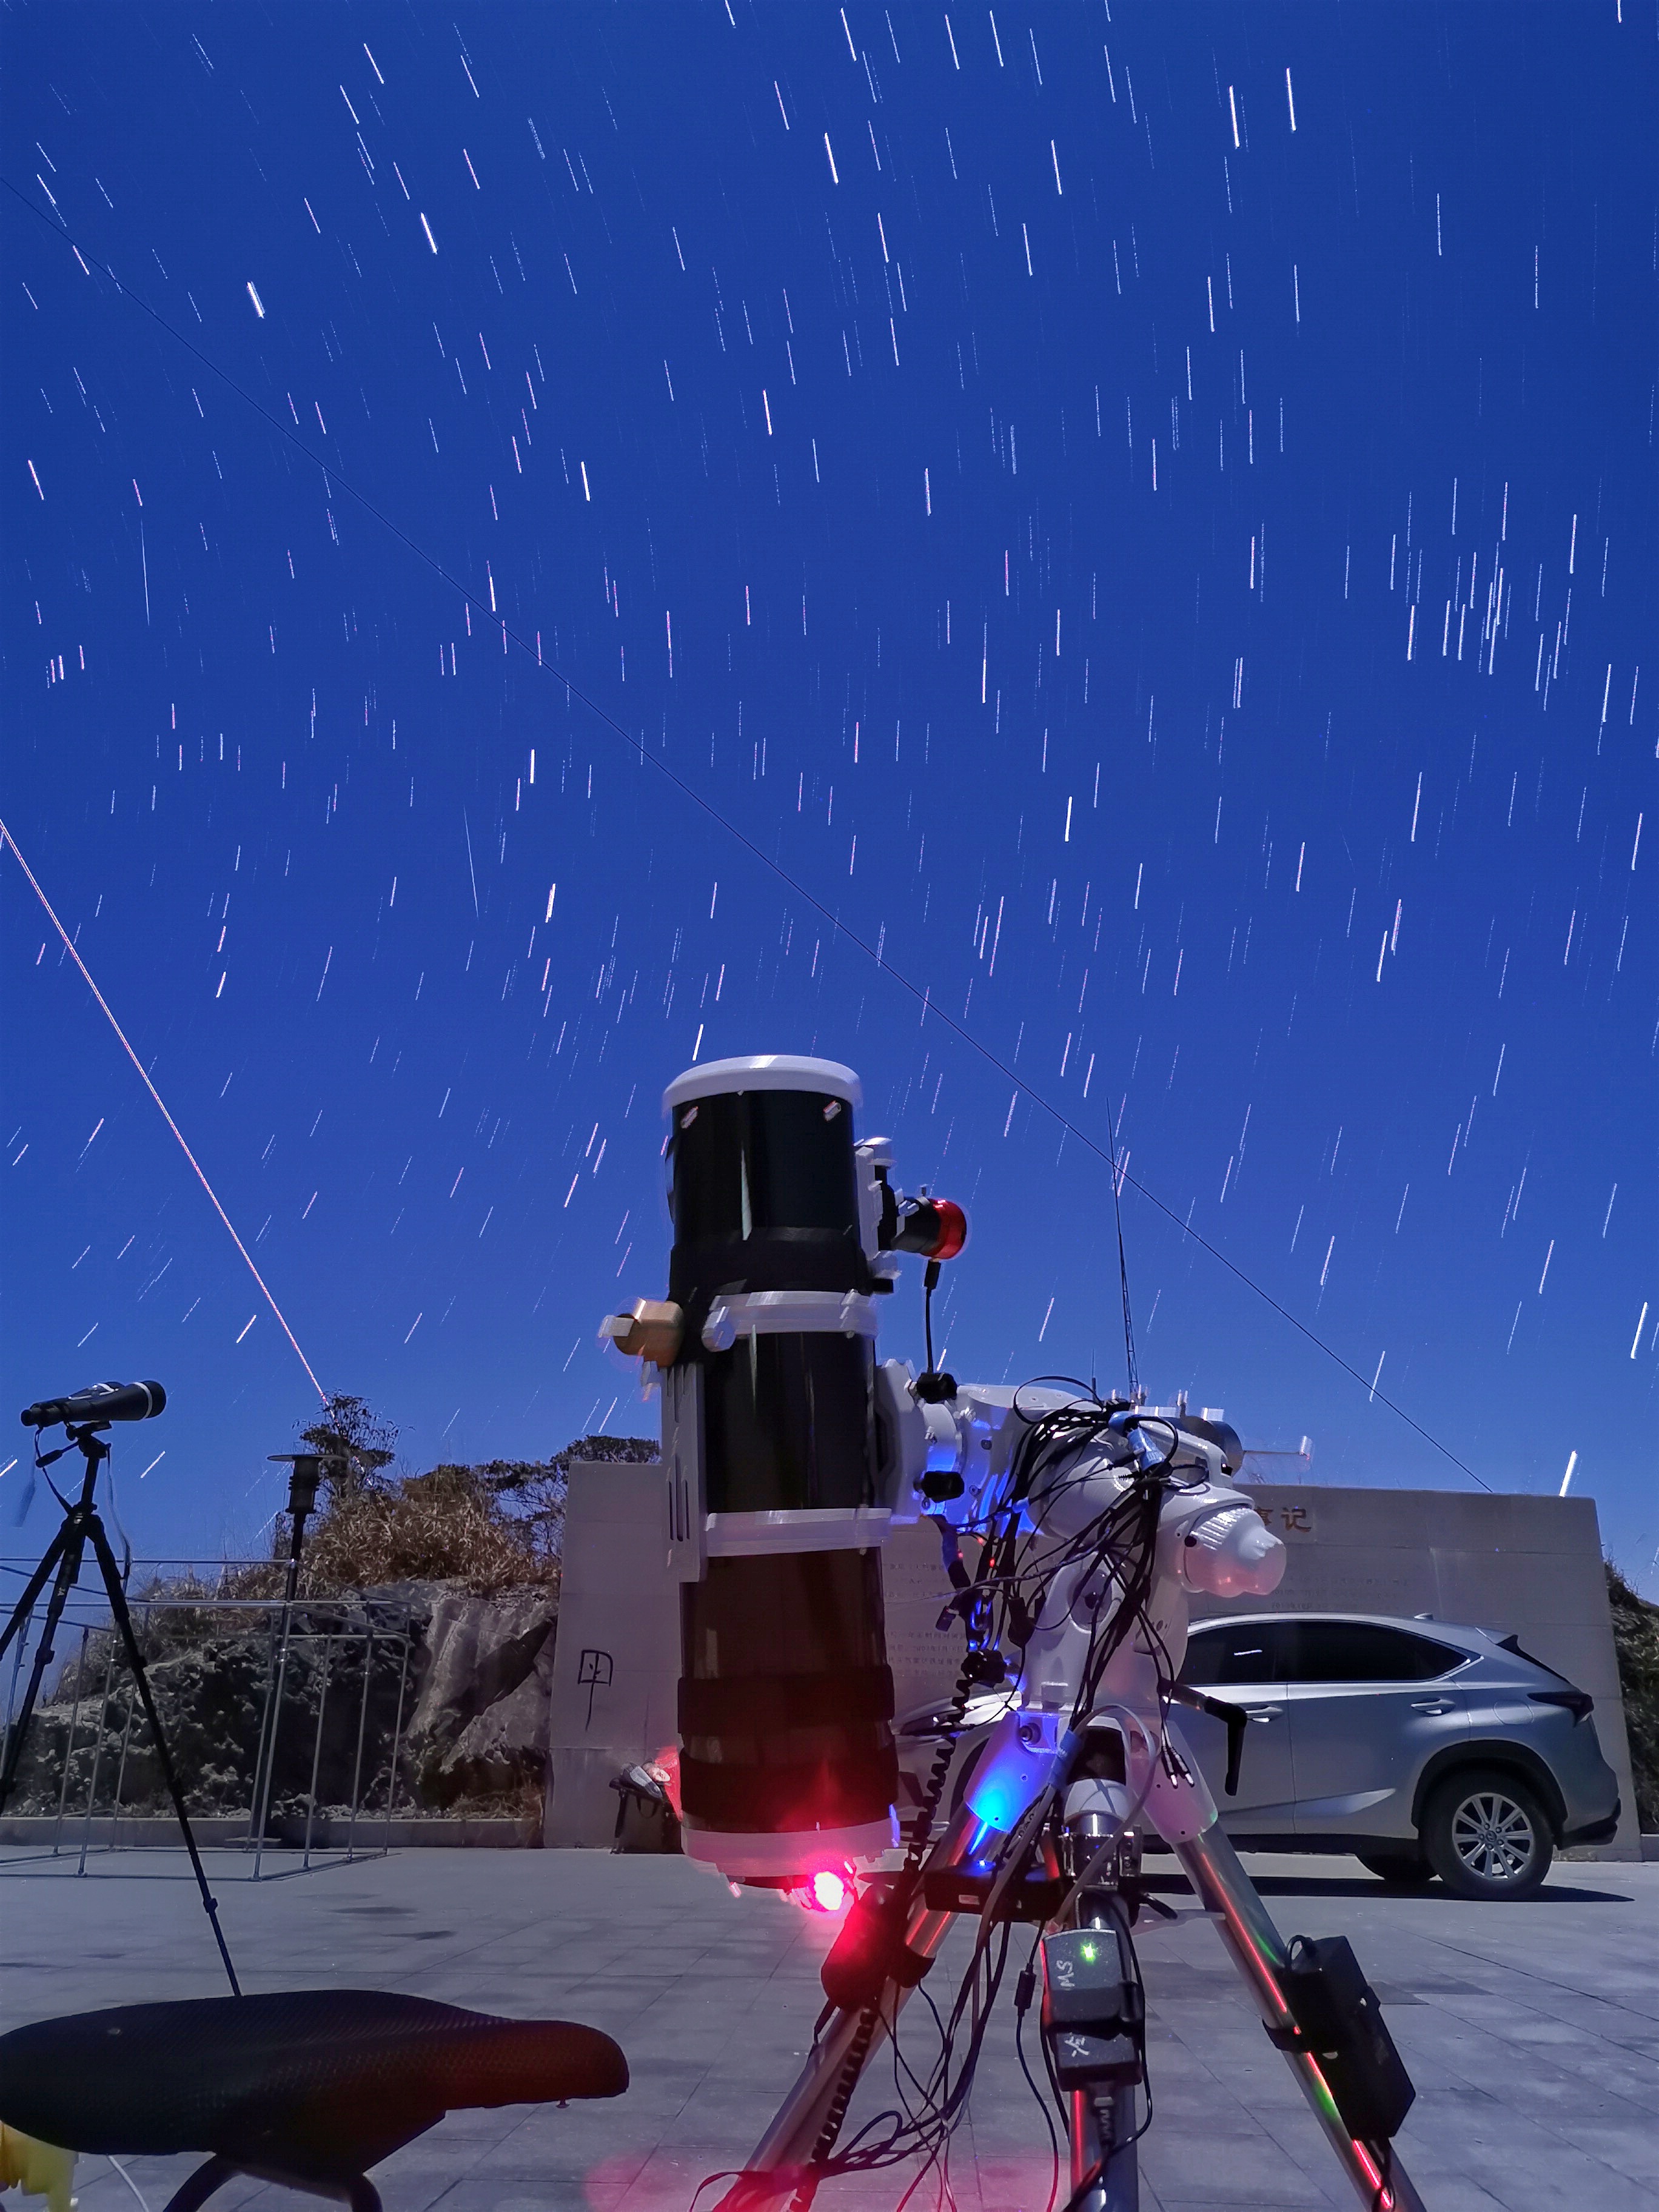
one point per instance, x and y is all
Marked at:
(81, 1526)
(1105, 2166)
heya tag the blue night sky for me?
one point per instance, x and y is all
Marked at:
(1148, 518)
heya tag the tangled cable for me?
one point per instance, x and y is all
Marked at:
(1001, 1605)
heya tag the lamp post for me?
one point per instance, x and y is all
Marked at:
(305, 1472)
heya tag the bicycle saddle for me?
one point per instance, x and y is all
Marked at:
(308, 2087)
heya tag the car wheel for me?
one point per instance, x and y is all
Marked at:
(1486, 1835)
(1407, 1869)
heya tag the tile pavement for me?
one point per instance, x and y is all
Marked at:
(1532, 2031)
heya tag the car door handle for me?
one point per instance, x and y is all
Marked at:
(1263, 1712)
(1431, 1705)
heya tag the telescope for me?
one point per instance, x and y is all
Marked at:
(790, 1454)
(1089, 1523)
(100, 1402)
(785, 1459)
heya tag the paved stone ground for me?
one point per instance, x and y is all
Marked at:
(1532, 2031)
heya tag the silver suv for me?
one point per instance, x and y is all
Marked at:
(1420, 1748)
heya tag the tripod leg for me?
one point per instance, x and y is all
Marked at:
(117, 1605)
(1258, 1950)
(1103, 2139)
(65, 1552)
(37, 1583)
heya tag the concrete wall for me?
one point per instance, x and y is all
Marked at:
(616, 1664)
(1526, 1565)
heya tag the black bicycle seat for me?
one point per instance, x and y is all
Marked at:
(305, 2087)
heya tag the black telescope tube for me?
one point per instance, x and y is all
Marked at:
(785, 1699)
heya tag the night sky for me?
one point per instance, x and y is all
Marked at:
(1147, 518)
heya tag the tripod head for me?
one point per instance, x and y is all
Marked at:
(87, 1438)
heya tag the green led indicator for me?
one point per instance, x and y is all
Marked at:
(1087, 1951)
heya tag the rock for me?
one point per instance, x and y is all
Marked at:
(480, 1721)
(475, 1711)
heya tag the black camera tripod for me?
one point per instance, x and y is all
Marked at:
(81, 1526)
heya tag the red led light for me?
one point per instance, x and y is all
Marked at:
(829, 1891)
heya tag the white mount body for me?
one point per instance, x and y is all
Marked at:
(1211, 1540)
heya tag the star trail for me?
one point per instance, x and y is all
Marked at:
(1069, 560)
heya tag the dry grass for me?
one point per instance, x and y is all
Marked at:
(500, 1526)
(446, 1526)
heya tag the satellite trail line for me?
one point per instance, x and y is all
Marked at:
(689, 792)
(6, 838)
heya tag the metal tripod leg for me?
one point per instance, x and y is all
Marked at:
(63, 1553)
(123, 1619)
(1118, 2188)
(1258, 1950)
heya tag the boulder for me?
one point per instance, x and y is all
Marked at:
(485, 1670)
(475, 1708)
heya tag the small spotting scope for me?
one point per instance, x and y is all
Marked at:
(100, 1402)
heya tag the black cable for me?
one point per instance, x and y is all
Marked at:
(1014, 1576)
(1120, 1174)
(1120, 1542)
(1090, 2181)
(945, 2091)
(1127, 1943)
(819, 2161)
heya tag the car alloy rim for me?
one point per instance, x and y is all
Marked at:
(1492, 1836)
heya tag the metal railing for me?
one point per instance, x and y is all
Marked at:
(285, 1719)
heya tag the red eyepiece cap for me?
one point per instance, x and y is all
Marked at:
(953, 1230)
(932, 1228)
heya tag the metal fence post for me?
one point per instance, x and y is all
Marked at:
(317, 1747)
(97, 1756)
(396, 1738)
(126, 1741)
(69, 1751)
(121, 1770)
(362, 1722)
(262, 1795)
(258, 1780)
